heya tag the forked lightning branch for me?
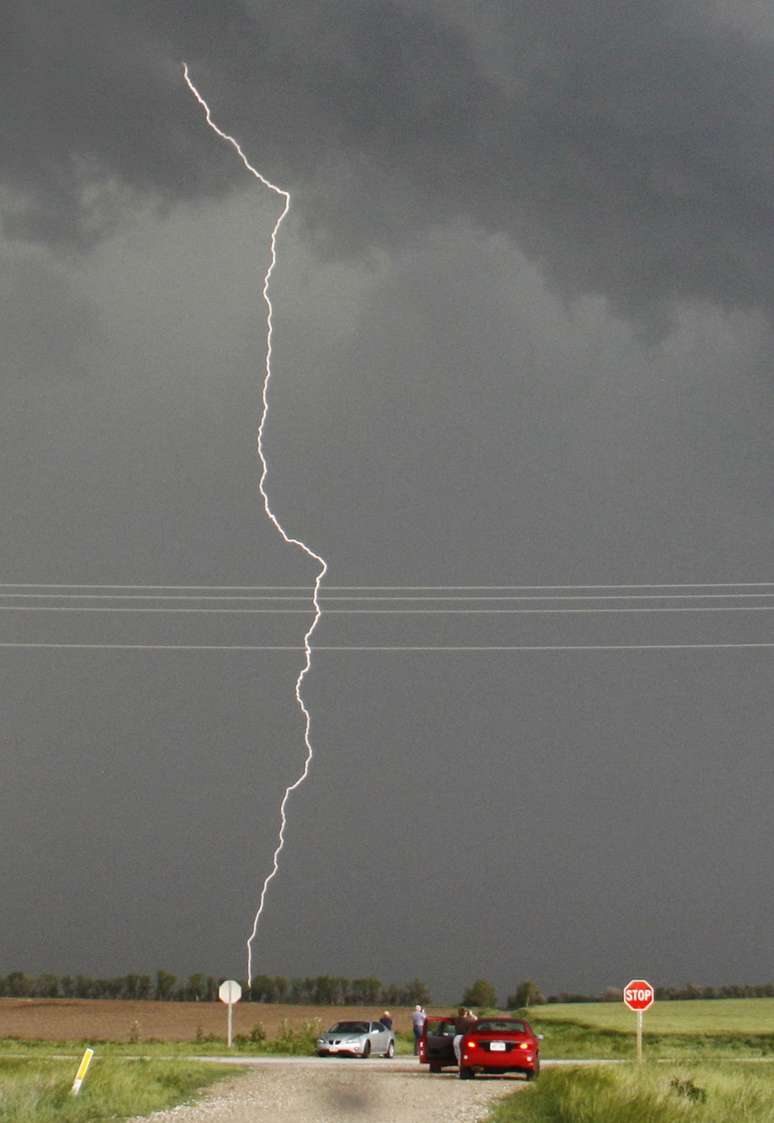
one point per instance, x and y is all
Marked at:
(284, 196)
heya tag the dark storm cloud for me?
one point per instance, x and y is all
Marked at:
(626, 147)
(44, 324)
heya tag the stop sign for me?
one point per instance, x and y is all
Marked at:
(229, 991)
(638, 995)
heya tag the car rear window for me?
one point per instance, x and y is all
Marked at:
(498, 1025)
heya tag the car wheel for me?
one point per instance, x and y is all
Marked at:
(434, 1067)
(533, 1073)
(466, 1073)
(390, 1051)
(320, 1053)
(366, 1050)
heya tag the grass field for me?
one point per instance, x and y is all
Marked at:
(645, 1094)
(34, 1090)
(723, 1028)
(715, 1016)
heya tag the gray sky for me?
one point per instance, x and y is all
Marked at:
(523, 317)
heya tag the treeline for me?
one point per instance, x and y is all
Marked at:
(328, 990)
(739, 990)
(676, 993)
(317, 990)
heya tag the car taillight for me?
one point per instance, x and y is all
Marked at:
(470, 1045)
(524, 1045)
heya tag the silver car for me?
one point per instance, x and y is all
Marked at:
(357, 1039)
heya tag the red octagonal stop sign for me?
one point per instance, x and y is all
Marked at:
(638, 995)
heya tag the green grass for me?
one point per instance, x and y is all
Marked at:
(289, 1042)
(672, 1030)
(35, 1090)
(644, 1094)
(716, 1016)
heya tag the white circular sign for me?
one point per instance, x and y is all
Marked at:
(229, 992)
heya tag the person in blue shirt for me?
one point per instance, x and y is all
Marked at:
(417, 1023)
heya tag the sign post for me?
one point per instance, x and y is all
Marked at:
(638, 996)
(229, 992)
(83, 1068)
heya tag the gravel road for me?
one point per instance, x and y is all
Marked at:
(342, 1093)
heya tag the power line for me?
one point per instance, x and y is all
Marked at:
(409, 588)
(387, 648)
(389, 611)
(391, 598)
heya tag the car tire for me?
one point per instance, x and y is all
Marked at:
(366, 1051)
(390, 1051)
(435, 1067)
(321, 1053)
(466, 1073)
(533, 1073)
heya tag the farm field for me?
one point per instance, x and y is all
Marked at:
(94, 1020)
(730, 1028)
(705, 1016)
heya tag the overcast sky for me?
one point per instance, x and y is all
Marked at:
(523, 327)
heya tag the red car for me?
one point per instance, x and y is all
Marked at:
(492, 1045)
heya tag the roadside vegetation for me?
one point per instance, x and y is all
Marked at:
(697, 1030)
(36, 1090)
(714, 1016)
(644, 1094)
(290, 1041)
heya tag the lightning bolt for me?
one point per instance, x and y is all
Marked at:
(289, 539)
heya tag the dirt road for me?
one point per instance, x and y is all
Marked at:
(343, 1093)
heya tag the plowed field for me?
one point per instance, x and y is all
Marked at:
(75, 1019)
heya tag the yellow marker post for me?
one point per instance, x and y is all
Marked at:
(83, 1068)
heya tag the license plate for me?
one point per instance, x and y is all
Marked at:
(497, 1046)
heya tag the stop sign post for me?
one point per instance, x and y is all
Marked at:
(638, 995)
(229, 992)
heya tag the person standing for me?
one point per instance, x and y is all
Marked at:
(462, 1023)
(386, 1019)
(417, 1024)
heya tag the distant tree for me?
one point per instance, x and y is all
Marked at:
(165, 986)
(414, 992)
(18, 985)
(390, 995)
(324, 990)
(47, 986)
(262, 989)
(480, 993)
(527, 993)
(281, 987)
(84, 986)
(364, 992)
(195, 988)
